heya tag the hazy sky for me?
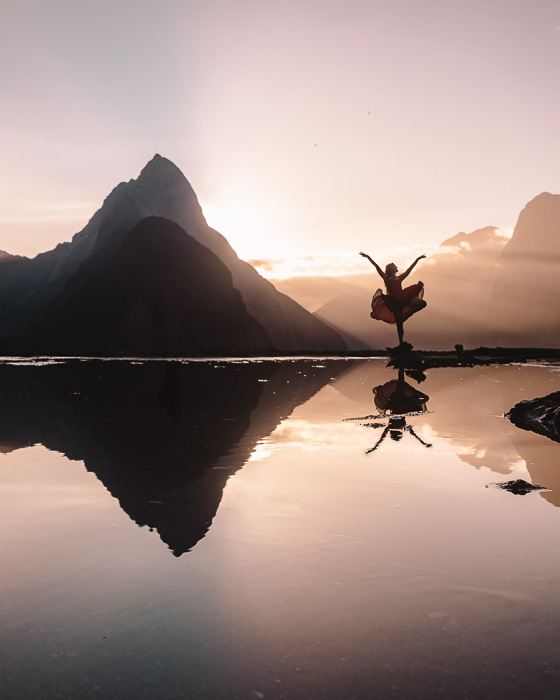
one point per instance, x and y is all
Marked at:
(305, 127)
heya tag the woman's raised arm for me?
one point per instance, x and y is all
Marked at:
(379, 270)
(407, 272)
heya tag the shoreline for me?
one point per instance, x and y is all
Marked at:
(458, 357)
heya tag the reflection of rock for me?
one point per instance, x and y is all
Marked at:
(162, 437)
(519, 487)
(541, 415)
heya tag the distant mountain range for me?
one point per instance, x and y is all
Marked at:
(148, 276)
(481, 289)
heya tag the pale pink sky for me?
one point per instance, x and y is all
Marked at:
(305, 127)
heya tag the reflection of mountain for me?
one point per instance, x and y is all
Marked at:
(163, 437)
(541, 458)
(172, 284)
(540, 415)
(468, 410)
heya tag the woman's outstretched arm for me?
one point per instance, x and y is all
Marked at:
(406, 273)
(379, 270)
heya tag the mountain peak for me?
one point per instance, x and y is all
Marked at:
(538, 228)
(160, 169)
(475, 239)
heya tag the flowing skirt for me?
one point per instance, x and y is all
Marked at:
(399, 399)
(384, 306)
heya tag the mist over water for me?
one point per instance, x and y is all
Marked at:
(222, 529)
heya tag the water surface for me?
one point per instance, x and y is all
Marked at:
(226, 529)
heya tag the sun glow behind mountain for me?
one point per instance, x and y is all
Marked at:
(253, 225)
(263, 234)
(303, 127)
(336, 263)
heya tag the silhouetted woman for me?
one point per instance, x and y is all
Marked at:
(397, 304)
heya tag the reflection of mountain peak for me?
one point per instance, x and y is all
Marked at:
(163, 437)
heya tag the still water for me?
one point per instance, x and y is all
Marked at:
(260, 530)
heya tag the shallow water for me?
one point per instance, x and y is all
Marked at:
(225, 530)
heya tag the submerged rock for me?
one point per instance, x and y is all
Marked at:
(541, 415)
(519, 487)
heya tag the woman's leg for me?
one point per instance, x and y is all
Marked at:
(400, 326)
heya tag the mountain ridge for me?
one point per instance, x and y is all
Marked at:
(30, 286)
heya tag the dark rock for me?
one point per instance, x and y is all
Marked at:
(541, 415)
(519, 487)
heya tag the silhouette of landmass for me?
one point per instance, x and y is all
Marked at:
(525, 301)
(139, 300)
(162, 436)
(35, 293)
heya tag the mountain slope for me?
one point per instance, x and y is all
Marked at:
(525, 301)
(159, 293)
(30, 287)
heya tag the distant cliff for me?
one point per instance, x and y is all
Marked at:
(524, 308)
(130, 282)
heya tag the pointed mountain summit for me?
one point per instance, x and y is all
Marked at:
(52, 303)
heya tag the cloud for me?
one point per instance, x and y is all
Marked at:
(265, 265)
(336, 263)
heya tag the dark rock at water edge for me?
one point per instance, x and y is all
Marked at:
(541, 415)
(519, 487)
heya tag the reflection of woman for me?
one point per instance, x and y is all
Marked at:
(397, 304)
(398, 398)
(396, 429)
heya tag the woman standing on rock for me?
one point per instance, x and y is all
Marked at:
(397, 304)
